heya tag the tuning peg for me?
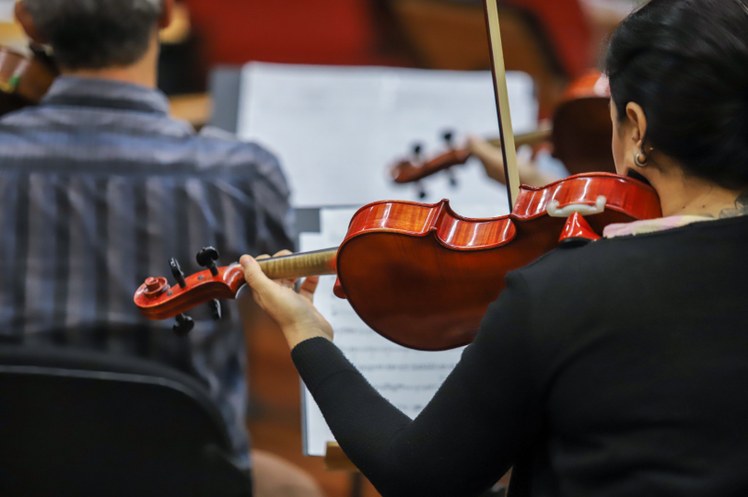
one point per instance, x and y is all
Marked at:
(183, 324)
(416, 150)
(176, 271)
(215, 309)
(207, 257)
(452, 178)
(421, 190)
(448, 137)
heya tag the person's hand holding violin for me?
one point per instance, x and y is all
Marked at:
(289, 305)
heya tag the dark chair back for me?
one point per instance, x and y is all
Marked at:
(79, 423)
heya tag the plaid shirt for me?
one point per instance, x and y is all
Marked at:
(98, 189)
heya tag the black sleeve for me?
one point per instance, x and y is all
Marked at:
(466, 437)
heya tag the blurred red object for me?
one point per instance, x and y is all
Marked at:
(341, 32)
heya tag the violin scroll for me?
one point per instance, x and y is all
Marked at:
(415, 168)
(157, 299)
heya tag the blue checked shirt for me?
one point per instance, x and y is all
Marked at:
(99, 188)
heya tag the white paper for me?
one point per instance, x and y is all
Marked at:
(407, 378)
(6, 10)
(337, 130)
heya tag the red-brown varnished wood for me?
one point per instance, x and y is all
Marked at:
(423, 276)
(157, 299)
(408, 170)
(582, 128)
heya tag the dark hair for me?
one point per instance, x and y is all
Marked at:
(94, 34)
(685, 62)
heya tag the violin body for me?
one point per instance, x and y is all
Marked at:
(582, 128)
(423, 276)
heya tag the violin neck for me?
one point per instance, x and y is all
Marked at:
(302, 264)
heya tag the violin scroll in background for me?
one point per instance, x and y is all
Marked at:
(419, 274)
(24, 79)
(414, 168)
(579, 136)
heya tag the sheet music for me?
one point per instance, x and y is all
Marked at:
(407, 378)
(6, 11)
(338, 129)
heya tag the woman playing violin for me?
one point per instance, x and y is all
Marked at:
(617, 368)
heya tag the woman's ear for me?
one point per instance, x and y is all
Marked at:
(638, 121)
(24, 18)
(167, 10)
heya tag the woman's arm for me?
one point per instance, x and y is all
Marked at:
(466, 437)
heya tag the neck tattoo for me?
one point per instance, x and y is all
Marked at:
(740, 209)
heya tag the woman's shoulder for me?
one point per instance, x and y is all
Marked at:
(657, 251)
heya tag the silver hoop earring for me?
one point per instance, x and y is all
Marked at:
(640, 159)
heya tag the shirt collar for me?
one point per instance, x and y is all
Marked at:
(644, 226)
(92, 92)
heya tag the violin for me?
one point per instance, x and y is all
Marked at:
(582, 128)
(419, 274)
(24, 80)
(579, 135)
(409, 171)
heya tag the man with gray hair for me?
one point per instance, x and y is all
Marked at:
(99, 187)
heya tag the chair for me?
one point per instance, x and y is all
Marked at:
(79, 423)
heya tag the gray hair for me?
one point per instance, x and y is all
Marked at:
(94, 34)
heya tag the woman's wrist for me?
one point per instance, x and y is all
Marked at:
(295, 336)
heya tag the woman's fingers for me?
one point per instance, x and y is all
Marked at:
(293, 312)
(308, 287)
(254, 276)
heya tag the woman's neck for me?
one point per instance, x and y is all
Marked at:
(687, 195)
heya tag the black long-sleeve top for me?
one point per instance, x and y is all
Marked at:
(617, 369)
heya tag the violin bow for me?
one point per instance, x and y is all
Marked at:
(498, 70)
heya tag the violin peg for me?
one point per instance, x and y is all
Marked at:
(183, 324)
(448, 137)
(452, 178)
(421, 191)
(207, 257)
(215, 309)
(176, 271)
(416, 150)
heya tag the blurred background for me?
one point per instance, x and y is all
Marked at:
(554, 42)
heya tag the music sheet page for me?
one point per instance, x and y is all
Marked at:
(407, 378)
(337, 130)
